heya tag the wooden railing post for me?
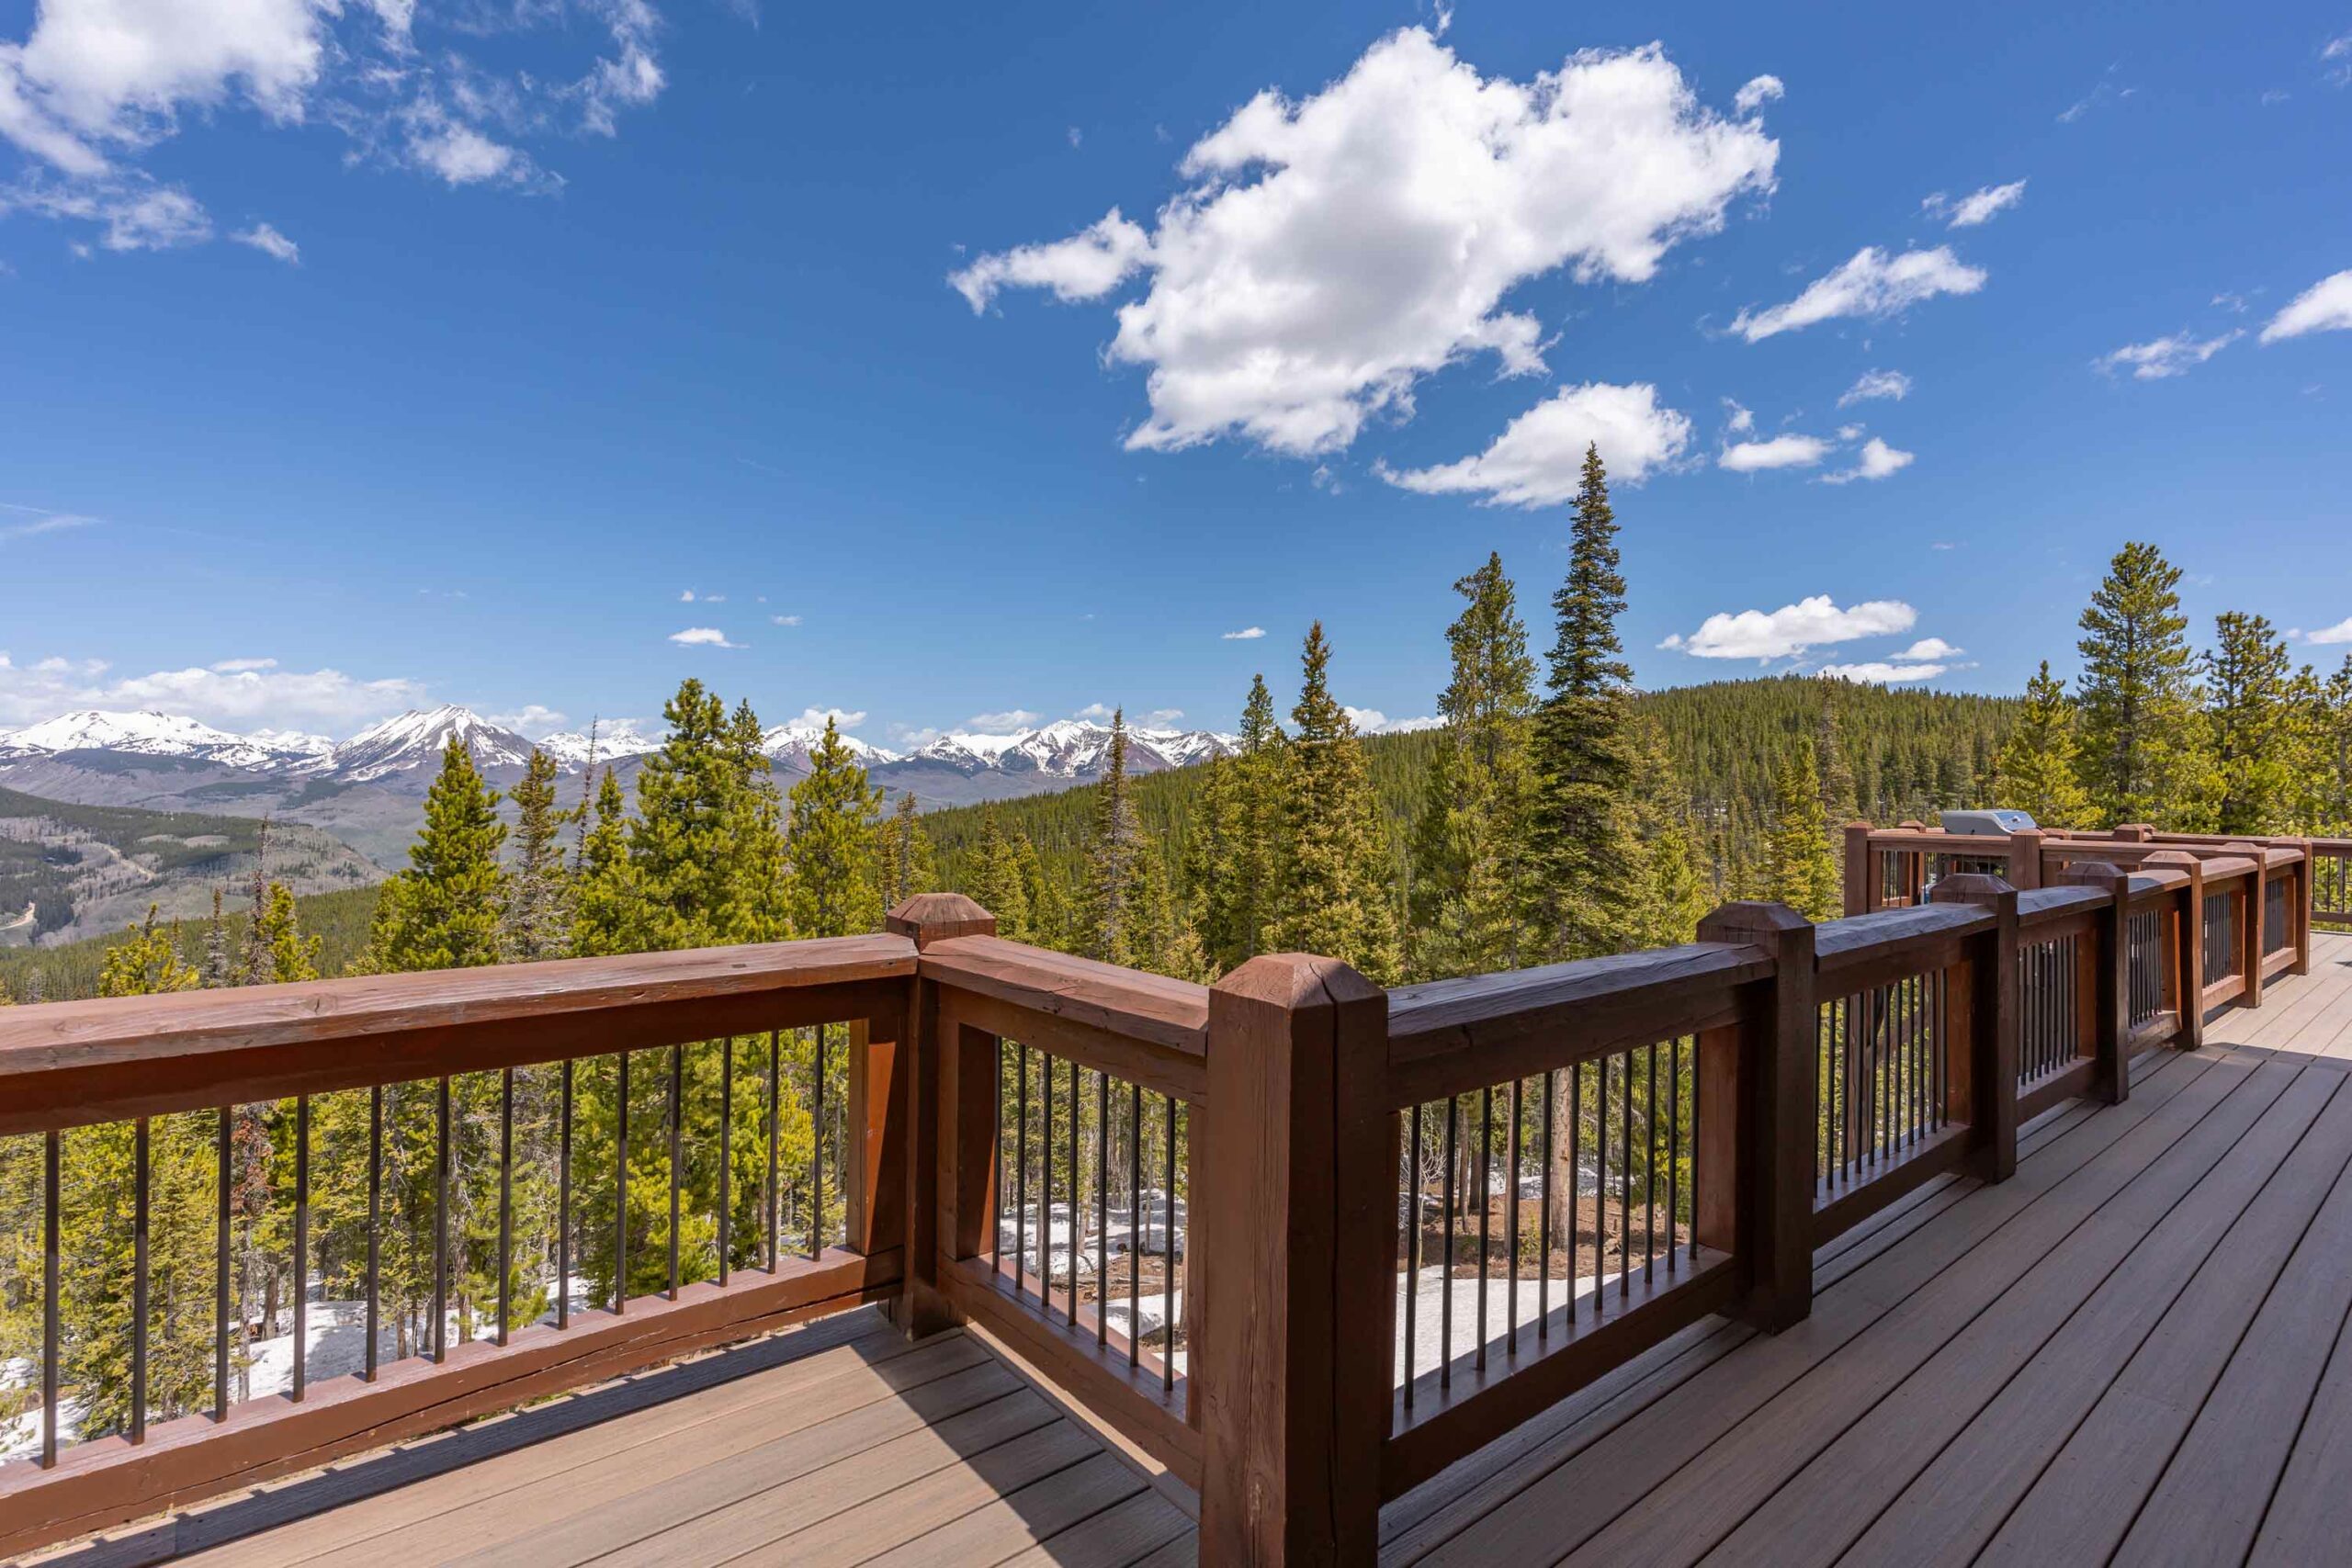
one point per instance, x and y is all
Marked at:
(2025, 858)
(1756, 1142)
(2299, 908)
(1861, 887)
(1296, 1180)
(2189, 930)
(2111, 969)
(2251, 898)
(948, 1189)
(1992, 1012)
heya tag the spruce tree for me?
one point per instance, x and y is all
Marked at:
(830, 888)
(539, 915)
(1114, 855)
(1801, 872)
(687, 798)
(444, 911)
(2144, 751)
(291, 955)
(605, 918)
(1470, 889)
(1237, 882)
(751, 889)
(905, 865)
(2035, 772)
(1581, 833)
(1333, 895)
(996, 883)
(2259, 758)
(146, 963)
(1673, 895)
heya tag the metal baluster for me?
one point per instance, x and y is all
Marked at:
(1510, 1222)
(1412, 1241)
(1135, 1218)
(53, 1263)
(1046, 1184)
(1625, 1188)
(301, 1244)
(620, 1187)
(563, 1203)
(506, 1201)
(775, 1199)
(1445, 1294)
(221, 1305)
(1077, 1211)
(1102, 1209)
(1485, 1156)
(1543, 1224)
(677, 1131)
(441, 1226)
(1649, 1166)
(375, 1223)
(141, 1176)
(1168, 1279)
(1673, 1149)
(1698, 1073)
(725, 1148)
(996, 1186)
(816, 1157)
(1020, 1180)
(1575, 1180)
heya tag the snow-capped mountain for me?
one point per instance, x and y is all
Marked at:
(791, 744)
(571, 748)
(1071, 748)
(151, 734)
(413, 743)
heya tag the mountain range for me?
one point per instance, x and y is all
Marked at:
(368, 790)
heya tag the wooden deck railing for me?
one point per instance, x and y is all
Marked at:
(1306, 1241)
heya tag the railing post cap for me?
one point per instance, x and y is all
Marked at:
(2094, 874)
(1758, 922)
(935, 917)
(1973, 887)
(2171, 857)
(1295, 981)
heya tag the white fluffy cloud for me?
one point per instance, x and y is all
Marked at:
(266, 239)
(1247, 633)
(1872, 384)
(2340, 632)
(1928, 648)
(1881, 673)
(1793, 628)
(1538, 458)
(2160, 358)
(1871, 283)
(1978, 207)
(844, 718)
(1001, 723)
(532, 719)
(1331, 250)
(94, 85)
(1372, 721)
(702, 637)
(1757, 92)
(2325, 306)
(1774, 452)
(783, 620)
(1878, 461)
(234, 694)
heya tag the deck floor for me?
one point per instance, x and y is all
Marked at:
(2133, 1351)
(2136, 1350)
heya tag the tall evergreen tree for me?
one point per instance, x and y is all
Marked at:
(687, 798)
(1237, 879)
(2145, 756)
(604, 917)
(1581, 830)
(444, 911)
(1471, 888)
(905, 865)
(997, 884)
(1114, 862)
(2036, 770)
(1333, 895)
(291, 955)
(538, 912)
(147, 963)
(2259, 751)
(1801, 872)
(828, 846)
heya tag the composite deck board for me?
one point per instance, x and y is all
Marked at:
(2016, 1372)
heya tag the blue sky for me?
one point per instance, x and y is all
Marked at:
(436, 350)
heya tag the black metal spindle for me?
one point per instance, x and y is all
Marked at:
(773, 1201)
(1673, 1149)
(817, 1155)
(1168, 1279)
(1102, 1209)
(375, 1226)
(1412, 1241)
(996, 1186)
(1445, 1294)
(1544, 1222)
(220, 1302)
(677, 1113)
(1136, 1233)
(141, 1174)
(563, 1202)
(441, 1225)
(1077, 1209)
(1510, 1215)
(301, 1244)
(1625, 1186)
(506, 1201)
(1045, 1186)
(1698, 1071)
(620, 1185)
(1649, 1166)
(1020, 1178)
(726, 1149)
(52, 1262)
(1486, 1159)
(1576, 1179)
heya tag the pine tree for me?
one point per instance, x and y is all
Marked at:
(2258, 741)
(1114, 925)
(604, 917)
(997, 884)
(1801, 872)
(2146, 755)
(1581, 835)
(291, 955)
(1470, 887)
(216, 946)
(444, 911)
(1333, 897)
(147, 963)
(1236, 881)
(2036, 770)
(537, 922)
(686, 800)
(255, 968)
(830, 888)
(752, 892)
(905, 865)
(1674, 895)
(2331, 808)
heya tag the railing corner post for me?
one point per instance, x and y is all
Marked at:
(933, 1074)
(2025, 858)
(2111, 990)
(1297, 1183)
(2189, 962)
(1775, 1134)
(1992, 1014)
(2299, 910)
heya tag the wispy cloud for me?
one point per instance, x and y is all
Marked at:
(702, 637)
(2325, 306)
(2161, 358)
(47, 523)
(1979, 206)
(1870, 282)
(266, 239)
(1878, 461)
(1247, 633)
